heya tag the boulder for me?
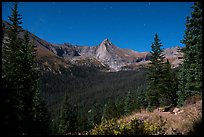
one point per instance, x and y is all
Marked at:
(176, 110)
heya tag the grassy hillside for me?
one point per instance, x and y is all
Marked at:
(188, 121)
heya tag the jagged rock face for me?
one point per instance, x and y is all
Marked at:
(106, 53)
(174, 56)
(115, 57)
(101, 52)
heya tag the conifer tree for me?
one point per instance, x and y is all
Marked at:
(68, 118)
(90, 119)
(21, 81)
(103, 118)
(120, 106)
(128, 107)
(170, 82)
(110, 111)
(190, 78)
(154, 79)
(94, 115)
(41, 118)
(11, 77)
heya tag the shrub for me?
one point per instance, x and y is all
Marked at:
(107, 127)
(135, 127)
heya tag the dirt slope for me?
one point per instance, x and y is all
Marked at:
(179, 123)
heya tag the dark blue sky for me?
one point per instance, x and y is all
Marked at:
(127, 25)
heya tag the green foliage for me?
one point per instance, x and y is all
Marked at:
(120, 106)
(110, 111)
(170, 82)
(93, 88)
(68, 118)
(82, 124)
(91, 115)
(162, 82)
(12, 77)
(94, 115)
(107, 127)
(135, 127)
(128, 105)
(24, 113)
(190, 78)
(155, 86)
(141, 98)
(41, 116)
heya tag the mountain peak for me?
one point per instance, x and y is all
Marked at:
(106, 42)
(106, 39)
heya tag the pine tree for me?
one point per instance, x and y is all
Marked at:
(155, 86)
(190, 79)
(109, 111)
(36, 115)
(41, 119)
(170, 82)
(128, 107)
(103, 118)
(11, 76)
(68, 118)
(21, 81)
(120, 106)
(90, 118)
(94, 115)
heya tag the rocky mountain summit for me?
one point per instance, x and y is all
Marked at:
(105, 54)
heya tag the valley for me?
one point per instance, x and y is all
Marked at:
(101, 89)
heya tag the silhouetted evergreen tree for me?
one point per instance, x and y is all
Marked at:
(12, 122)
(170, 82)
(104, 115)
(190, 78)
(110, 111)
(21, 83)
(128, 104)
(141, 98)
(82, 122)
(68, 118)
(90, 118)
(41, 116)
(120, 106)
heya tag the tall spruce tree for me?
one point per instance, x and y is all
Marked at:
(190, 78)
(155, 86)
(21, 80)
(170, 83)
(12, 119)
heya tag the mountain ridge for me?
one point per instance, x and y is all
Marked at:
(106, 52)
